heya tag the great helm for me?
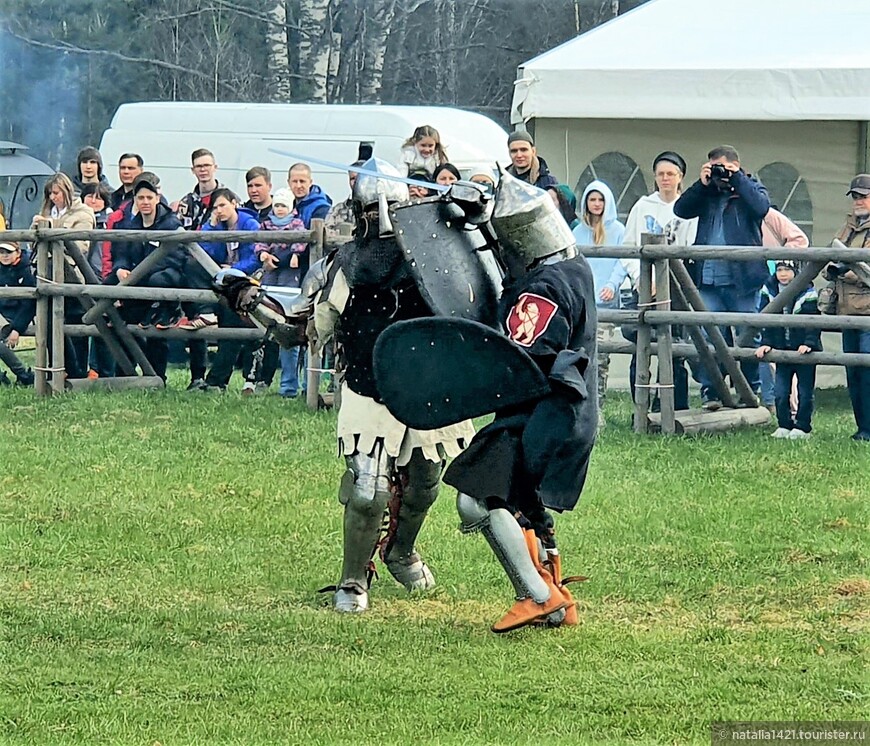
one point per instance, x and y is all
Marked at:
(528, 225)
(368, 187)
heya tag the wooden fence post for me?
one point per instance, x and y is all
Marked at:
(58, 357)
(43, 304)
(665, 352)
(644, 351)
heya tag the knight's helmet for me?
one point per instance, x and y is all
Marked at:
(528, 225)
(370, 191)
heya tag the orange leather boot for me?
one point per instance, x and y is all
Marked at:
(551, 572)
(554, 561)
(526, 611)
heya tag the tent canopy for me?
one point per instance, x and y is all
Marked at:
(705, 60)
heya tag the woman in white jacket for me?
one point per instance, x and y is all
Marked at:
(655, 214)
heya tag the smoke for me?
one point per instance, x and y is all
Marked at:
(42, 89)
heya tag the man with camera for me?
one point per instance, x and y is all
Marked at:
(852, 298)
(730, 206)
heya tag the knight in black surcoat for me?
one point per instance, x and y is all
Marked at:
(533, 458)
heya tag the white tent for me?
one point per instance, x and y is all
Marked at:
(785, 81)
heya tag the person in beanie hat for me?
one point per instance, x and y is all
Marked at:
(801, 340)
(89, 169)
(282, 265)
(526, 164)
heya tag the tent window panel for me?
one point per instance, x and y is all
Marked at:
(788, 191)
(621, 174)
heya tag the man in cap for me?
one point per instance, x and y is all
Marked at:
(15, 313)
(152, 214)
(526, 164)
(390, 467)
(534, 458)
(853, 299)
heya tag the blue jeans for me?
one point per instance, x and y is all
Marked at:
(806, 386)
(291, 360)
(724, 300)
(858, 379)
(765, 375)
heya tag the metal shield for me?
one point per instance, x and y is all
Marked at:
(435, 372)
(456, 273)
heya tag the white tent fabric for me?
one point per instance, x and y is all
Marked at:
(708, 60)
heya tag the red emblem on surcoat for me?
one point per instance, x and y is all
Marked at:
(529, 318)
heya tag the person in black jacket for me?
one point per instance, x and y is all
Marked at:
(802, 340)
(15, 314)
(526, 164)
(730, 206)
(152, 214)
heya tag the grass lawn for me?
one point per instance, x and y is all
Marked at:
(160, 555)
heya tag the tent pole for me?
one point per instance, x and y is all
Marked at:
(863, 147)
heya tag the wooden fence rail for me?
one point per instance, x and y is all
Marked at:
(667, 297)
(57, 281)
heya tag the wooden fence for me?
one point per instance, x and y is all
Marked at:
(57, 259)
(676, 300)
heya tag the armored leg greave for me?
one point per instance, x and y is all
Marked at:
(506, 539)
(419, 488)
(364, 492)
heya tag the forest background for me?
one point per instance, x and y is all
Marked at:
(66, 67)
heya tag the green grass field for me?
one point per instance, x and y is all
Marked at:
(160, 555)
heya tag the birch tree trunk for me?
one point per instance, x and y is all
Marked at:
(314, 46)
(278, 41)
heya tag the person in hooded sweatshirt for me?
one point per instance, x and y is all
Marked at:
(89, 169)
(228, 215)
(654, 214)
(599, 226)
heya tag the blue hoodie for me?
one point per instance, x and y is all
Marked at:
(315, 205)
(605, 272)
(247, 259)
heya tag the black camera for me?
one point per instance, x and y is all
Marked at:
(718, 172)
(835, 270)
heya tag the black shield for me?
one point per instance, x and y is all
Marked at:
(455, 271)
(435, 372)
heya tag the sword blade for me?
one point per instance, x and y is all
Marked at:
(358, 170)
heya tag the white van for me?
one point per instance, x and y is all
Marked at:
(242, 135)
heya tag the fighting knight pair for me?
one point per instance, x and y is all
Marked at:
(444, 309)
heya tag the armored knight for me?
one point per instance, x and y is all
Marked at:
(391, 469)
(540, 380)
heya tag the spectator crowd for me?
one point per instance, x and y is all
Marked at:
(724, 206)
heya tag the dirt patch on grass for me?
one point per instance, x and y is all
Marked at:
(853, 587)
